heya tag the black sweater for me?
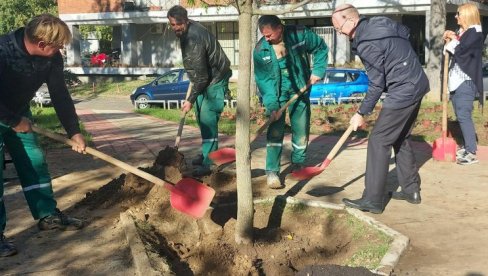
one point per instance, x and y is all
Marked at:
(468, 55)
(21, 75)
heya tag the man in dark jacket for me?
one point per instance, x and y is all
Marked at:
(394, 68)
(209, 71)
(30, 57)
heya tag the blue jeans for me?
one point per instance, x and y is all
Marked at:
(462, 102)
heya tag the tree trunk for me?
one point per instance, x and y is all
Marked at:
(245, 207)
(254, 38)
(437, 27)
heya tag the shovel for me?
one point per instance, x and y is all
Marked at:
(444, 148)
(182, 120)
(227, 155)
(187, 196)
(309, 172)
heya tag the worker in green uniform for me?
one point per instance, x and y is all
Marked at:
(282, 69)
(209, 71)
(29, 57)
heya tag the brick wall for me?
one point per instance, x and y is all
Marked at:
(89, 6)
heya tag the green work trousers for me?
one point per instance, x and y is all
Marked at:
(299, 113)
(32, 171)
(208, 107)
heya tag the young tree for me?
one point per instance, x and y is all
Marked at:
(247, 33)
(245, 207)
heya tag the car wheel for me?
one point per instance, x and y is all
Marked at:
(142, 102)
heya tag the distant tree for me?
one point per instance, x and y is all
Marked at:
(435, 45)
(15, 13)
(103, 33)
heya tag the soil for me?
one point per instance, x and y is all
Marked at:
(287, 239)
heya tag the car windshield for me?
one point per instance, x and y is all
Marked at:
(171, 77)
(335, 77)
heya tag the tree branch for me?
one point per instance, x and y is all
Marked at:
(289, 9)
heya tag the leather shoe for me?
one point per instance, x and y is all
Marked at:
(413, 198)
(364, 205)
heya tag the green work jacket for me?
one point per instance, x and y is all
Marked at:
(300, 42)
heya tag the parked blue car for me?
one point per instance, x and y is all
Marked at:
(340, 85)
(171, 86)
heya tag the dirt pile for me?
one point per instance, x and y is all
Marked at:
(288, 239)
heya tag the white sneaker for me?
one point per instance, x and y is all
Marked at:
(460, 152)
(467, 158)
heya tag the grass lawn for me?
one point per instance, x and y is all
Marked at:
(334, 120)
(331, 119)
(45, 117)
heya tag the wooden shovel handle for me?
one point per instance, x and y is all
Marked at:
(339, 143)
(282, 109)
(445, 95)
(107, 158)
(182, 119)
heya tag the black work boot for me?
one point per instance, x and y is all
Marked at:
(296, 167)
(198, 161)
(6, 248)
(58, 220)
(202, 170)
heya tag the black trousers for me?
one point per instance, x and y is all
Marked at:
(392, 130)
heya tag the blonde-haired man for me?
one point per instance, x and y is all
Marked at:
(30, 57)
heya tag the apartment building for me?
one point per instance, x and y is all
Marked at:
(147, 45)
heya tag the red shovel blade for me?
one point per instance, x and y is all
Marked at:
(191, 197)
(223, 156)
(309, 172)
(444, 149)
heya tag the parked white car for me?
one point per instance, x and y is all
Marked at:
(42, 96)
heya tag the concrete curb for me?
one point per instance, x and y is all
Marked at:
(139, 256)
(397, 246)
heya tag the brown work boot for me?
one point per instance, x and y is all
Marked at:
(273, 180)
(60, 221)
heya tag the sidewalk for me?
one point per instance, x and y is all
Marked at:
(447, 231)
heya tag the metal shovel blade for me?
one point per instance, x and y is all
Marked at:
(223, 156)
(444, 149)
(187, 196)
(191, 197)
(309, 172)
